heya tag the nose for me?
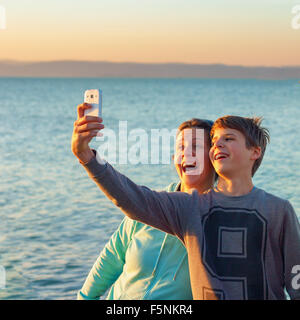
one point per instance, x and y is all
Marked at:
(188, 151)
(218, 143)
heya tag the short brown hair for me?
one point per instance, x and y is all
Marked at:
(255, 135)
(197, 123)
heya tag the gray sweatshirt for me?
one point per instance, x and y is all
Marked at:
(245, 247)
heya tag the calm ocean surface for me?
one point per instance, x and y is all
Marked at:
(53, 219)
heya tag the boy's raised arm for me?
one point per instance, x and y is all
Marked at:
(161, 210)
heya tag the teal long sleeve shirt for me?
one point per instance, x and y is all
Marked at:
(140, 263)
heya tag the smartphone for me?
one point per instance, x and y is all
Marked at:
(93, 97)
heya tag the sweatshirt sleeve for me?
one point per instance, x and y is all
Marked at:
(291, 252)
(109, 265)
(162, 210)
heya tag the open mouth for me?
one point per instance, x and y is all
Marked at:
(220, 156)
(188, 167)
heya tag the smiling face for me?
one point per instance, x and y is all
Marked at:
(192, 159)
(229, 154)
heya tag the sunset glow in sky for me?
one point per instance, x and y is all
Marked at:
(235, 32)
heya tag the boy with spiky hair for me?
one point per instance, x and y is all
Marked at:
(242, 242)
(255, 135)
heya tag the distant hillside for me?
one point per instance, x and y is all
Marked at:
(142, 70)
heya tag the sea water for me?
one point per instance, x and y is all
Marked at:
(53, 219)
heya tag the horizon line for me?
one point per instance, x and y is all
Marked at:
(147, 63)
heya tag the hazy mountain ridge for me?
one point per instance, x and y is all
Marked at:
(100, 69)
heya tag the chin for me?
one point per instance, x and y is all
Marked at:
(221, 171)
(192, 181)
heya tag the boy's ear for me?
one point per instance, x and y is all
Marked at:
(256, 153)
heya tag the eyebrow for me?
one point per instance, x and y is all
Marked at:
(229, 134)
(226, 135)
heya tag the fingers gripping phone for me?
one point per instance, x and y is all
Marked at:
(93, 97)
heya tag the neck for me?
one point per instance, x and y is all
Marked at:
(200, 188)
(235, 187)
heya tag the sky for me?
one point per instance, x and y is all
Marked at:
(233, 32)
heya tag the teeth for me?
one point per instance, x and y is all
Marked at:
(186, 167)
(219, 156)
(190, 168)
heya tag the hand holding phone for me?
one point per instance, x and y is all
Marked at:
(86, 128)
(93, 97)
